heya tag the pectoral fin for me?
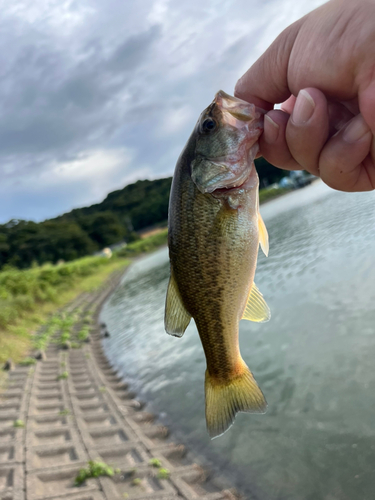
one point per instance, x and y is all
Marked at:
(176, 318)
(263, 235)
(256, 308)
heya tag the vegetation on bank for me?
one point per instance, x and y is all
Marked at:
(145, 245)
(271, 192)
(23, 291)
(84, 231)
(28, 297)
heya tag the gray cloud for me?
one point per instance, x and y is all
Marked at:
(121, 83)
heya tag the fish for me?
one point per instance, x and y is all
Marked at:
(214, 233)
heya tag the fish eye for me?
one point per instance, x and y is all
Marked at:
(208, 125)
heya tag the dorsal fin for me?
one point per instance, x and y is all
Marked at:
(176, 317)
(263, 235)
(256, 308)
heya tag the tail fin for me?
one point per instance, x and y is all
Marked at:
(225, 399)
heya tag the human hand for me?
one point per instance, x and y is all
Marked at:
(326, 59)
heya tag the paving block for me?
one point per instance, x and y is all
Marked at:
(11, 452)
(112, 436)
(84, 495)
(86, 408)
(49, 386)
(193, 482)
(92, 420)
(48, 421)
(140, 484)
(11, 482)
(124, 455)
(11, 435)
(41, 457)
(47, 408)
(52, 436)
(8, 419)
(7, 408)
(172, 456)
(48, 484)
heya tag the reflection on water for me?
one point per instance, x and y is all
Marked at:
(314, 360)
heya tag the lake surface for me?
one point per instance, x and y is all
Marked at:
(314, 360)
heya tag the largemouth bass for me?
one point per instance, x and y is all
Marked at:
(214, 233)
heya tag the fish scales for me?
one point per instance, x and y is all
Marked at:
(213, 245)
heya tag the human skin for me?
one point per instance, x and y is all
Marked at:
(322, 68)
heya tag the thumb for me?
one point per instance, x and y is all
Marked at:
(266, 82)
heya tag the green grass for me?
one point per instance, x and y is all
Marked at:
(83, 334)
(64, 337)
(18, 324)
(93, 469)
(28, 361)
(163, 474)
(145, 245)
(30, 298)
(18, 423)
(155, 462)
(63, 376)
(21, 291)
(271, 192)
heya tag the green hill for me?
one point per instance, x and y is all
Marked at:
(84, 231)
(137, 205)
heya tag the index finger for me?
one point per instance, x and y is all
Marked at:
(266, 82)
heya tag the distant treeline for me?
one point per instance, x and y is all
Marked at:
(86, 230)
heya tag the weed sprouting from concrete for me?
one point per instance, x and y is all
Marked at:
(155, 462)
(163, 474)
(93, 469)
(28, 361)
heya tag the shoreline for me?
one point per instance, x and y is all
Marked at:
(72, 407)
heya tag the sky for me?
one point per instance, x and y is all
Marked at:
(95, 94)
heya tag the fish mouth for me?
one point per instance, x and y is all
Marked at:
(221, 185)
(242, 183)
(225, 185)
(232, 107)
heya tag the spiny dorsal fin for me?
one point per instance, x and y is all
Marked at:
(176, 317)
(263, 235)
(256, 308)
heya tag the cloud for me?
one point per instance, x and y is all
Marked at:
(90, 175)
(174, 120)
(97, 93)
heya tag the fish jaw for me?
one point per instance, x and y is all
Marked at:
(236, 110)
(241, 125)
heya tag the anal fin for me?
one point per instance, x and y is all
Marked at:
(256, 308)
(176, 317)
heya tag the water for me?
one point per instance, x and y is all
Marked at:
(315, 359)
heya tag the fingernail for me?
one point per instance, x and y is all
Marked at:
(356, 129)
(303, 109)
(271, 130)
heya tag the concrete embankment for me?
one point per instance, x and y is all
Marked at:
(72, 408)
